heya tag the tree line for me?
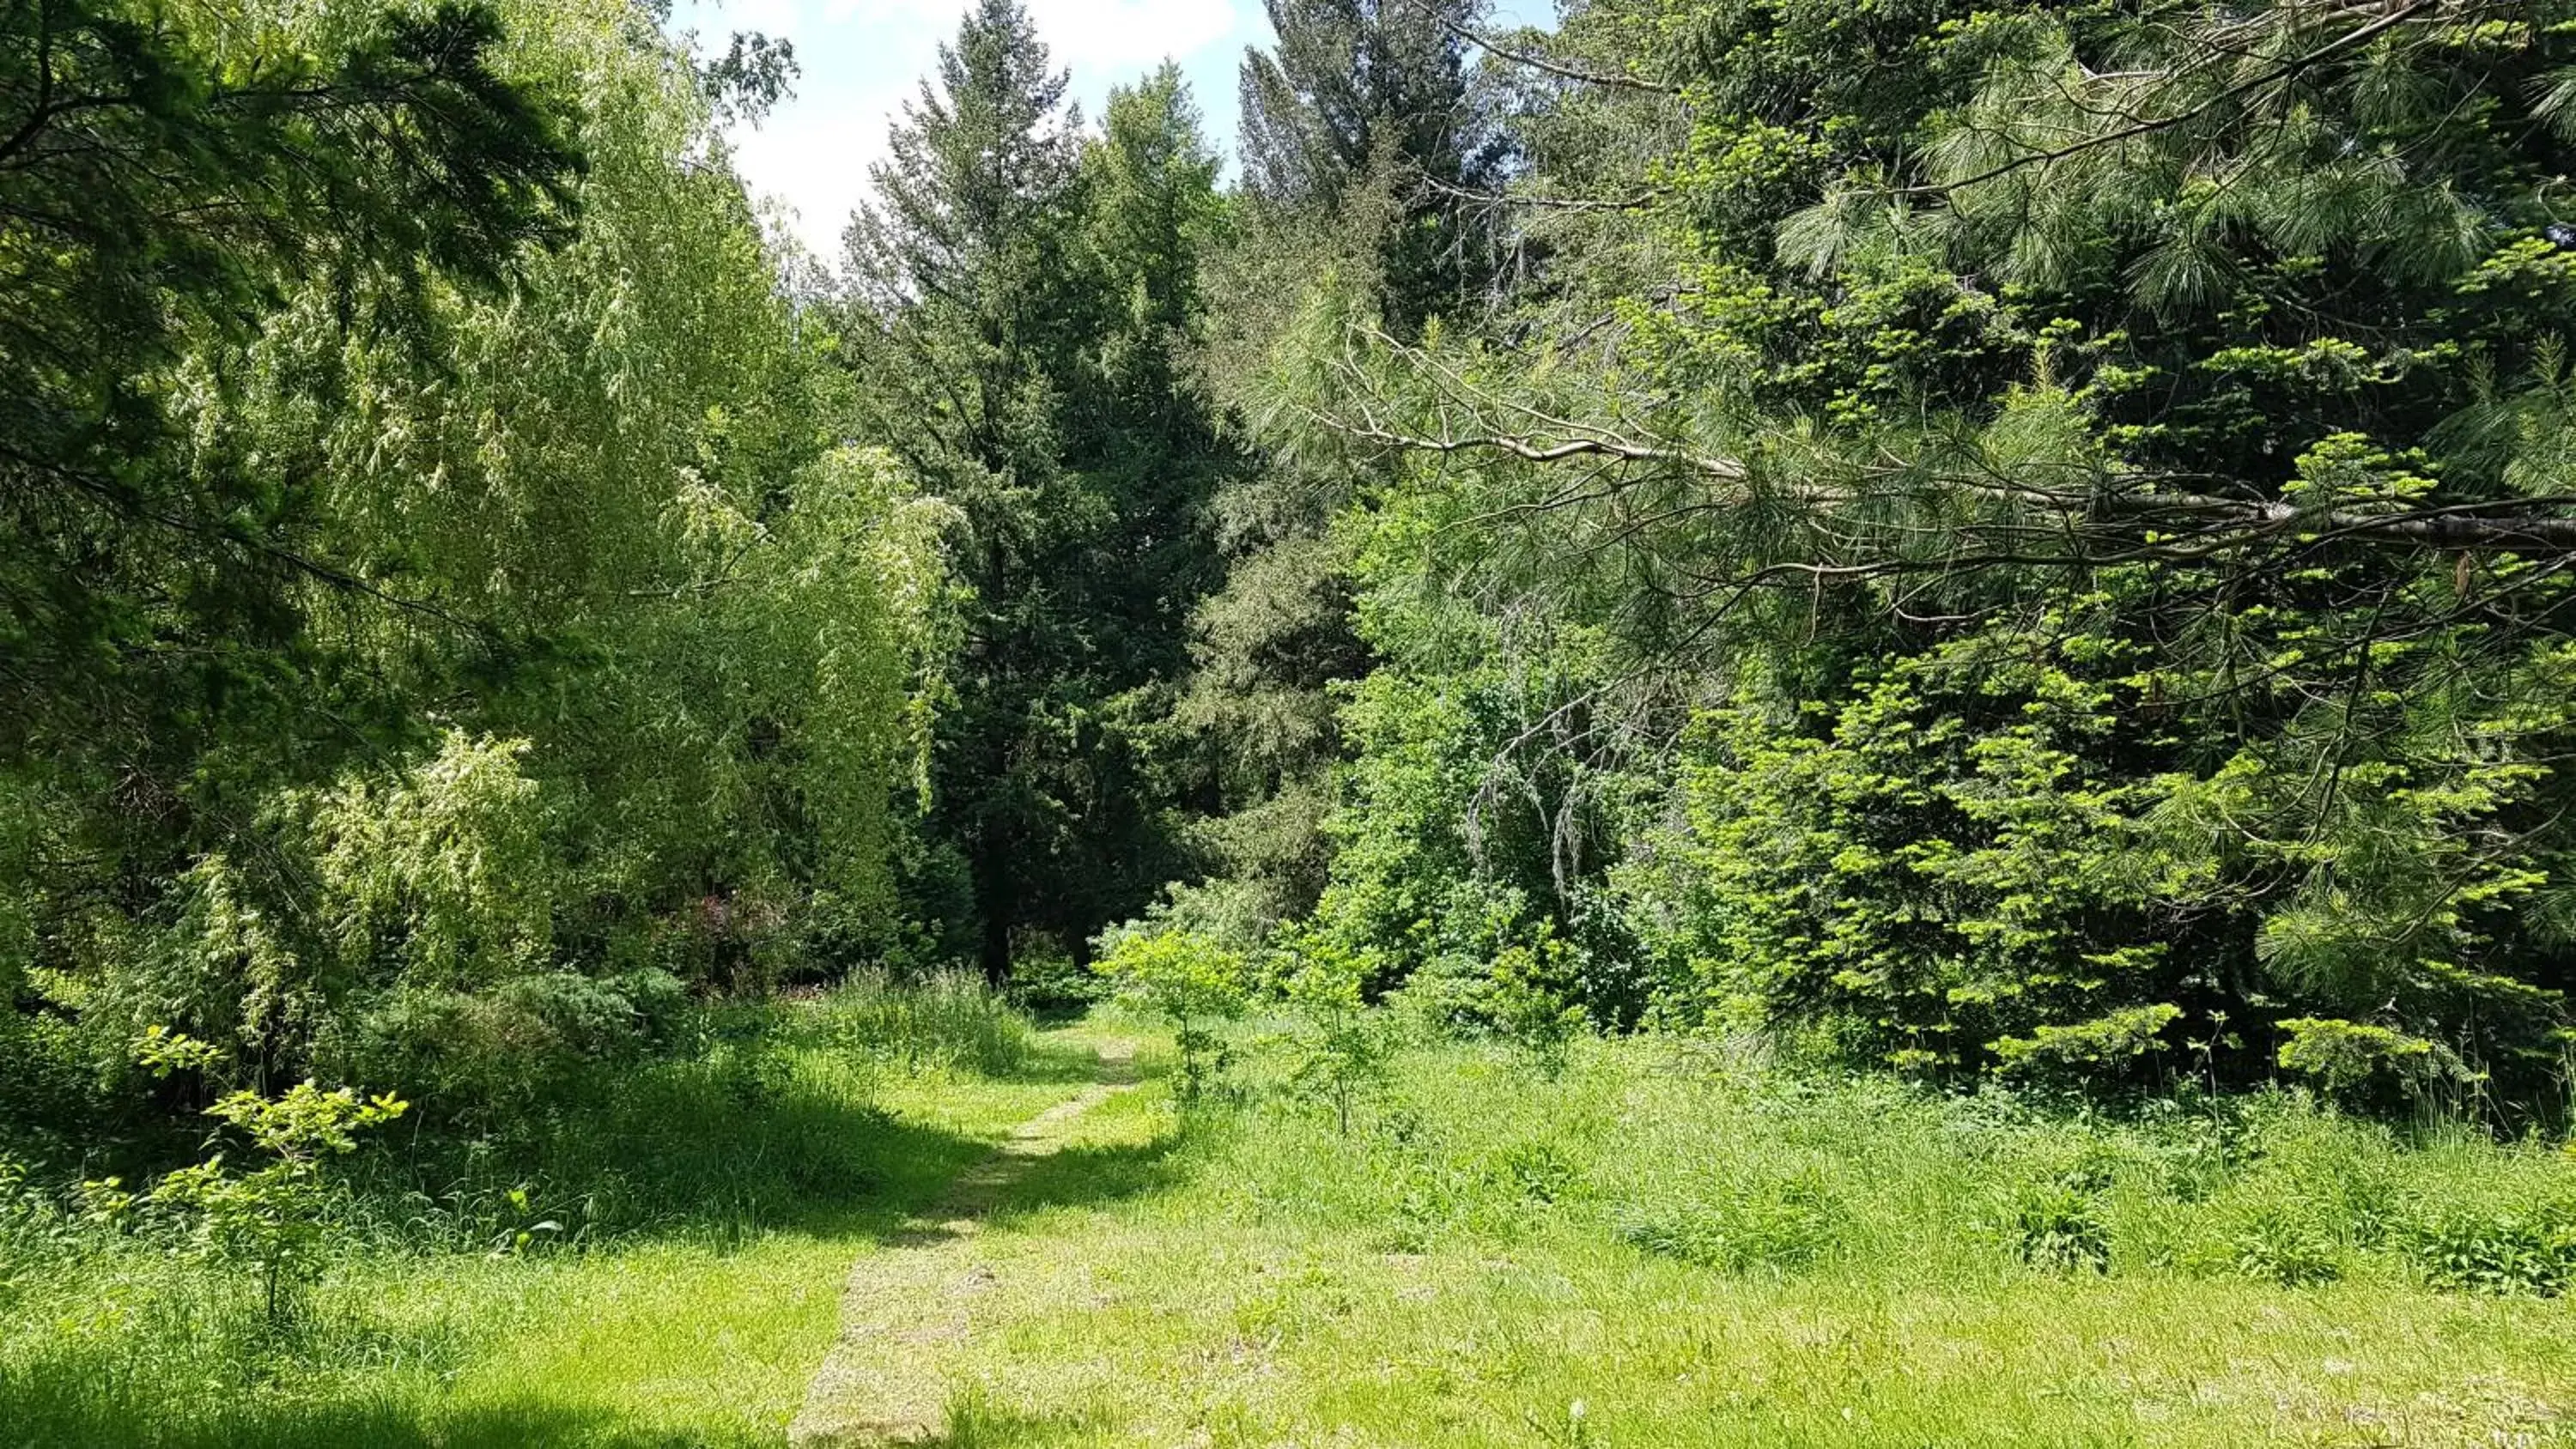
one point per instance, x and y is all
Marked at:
(2020, 540)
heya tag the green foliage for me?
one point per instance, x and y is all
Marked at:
(1189, 981)
(1779, 1225)
(494, 645)
(1356, 99)
(2342, 1055)
(2069, 481)
(443, 872)
(2278, 1245)
(952, 1021)
(2109, 1042)
(2057, 1225)
(275, 1218)
(1342, 1044)
(2477, 1248)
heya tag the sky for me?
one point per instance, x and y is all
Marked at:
(861, 59)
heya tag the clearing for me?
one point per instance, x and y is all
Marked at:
(1646, 1245)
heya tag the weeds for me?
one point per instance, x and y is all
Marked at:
(2495, 1248)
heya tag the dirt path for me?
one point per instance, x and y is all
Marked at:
(883, 1382)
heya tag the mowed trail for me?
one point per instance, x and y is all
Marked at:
(908, 1304)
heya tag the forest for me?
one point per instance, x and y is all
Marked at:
(1743, 722)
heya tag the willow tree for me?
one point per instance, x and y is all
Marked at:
(470, 630)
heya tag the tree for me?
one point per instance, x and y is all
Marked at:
(445, 631)
(1023, 303)
(2104, 467)
(1363, 150)
(159, 191)
(1362, 112)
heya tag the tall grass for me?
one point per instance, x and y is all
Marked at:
(951, 1020)
(1662, 1148)
(1658, 1246)
(680, 1222)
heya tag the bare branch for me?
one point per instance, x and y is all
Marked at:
(1559, 69)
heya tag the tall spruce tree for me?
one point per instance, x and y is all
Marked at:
(1363, 111)
(1363, 142)
(1021, 313)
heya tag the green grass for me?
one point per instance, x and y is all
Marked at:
(1700, 1258)
(1694, 1253)
(711, 1206)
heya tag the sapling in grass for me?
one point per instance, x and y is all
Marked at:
(1189, 981)
(272, 1218)
(1533, 1004)
(1342, 1046)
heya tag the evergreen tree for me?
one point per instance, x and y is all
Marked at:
(1362, 111)
(1362, 148)
(1024, 310)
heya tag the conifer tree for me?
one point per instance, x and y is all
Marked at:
(1362, 143)
(1363, 95)
(1022, 311)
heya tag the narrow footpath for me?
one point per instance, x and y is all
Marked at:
(885, 1380)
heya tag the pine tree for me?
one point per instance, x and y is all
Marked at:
(1364, 96)
(1025, 307)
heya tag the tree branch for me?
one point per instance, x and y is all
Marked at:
(1558, 68)
(2282, 72)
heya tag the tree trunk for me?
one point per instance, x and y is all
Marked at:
(994, 901)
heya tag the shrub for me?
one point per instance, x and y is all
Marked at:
(1780, 1223)
(1188, 980)
(949, 1019)
(2058, 1226)
(2104, 1044)
(2341, 1056)
(271, 1218)
(1341, 1045)
(2486, 1248)
(2286, 1246)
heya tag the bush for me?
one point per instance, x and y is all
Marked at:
(1188, 980)
(2286, 1246)
(1779, 1222)
(2489, 1248)
(2058, 1226)
(949, 1019)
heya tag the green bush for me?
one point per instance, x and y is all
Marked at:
(1779, 1223)
(1191, 982)
(2287, 1246)
(2058, 1226)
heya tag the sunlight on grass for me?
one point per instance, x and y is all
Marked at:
(698, 1332)
(1463, 1271)
(1651, 1248)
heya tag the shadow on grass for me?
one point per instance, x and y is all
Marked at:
(281, 1422)
(976, 1422)
(1089, 1177)
(713, 1151)
(705, 1152)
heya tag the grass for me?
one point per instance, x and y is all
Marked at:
(1653, 1247)
(708, 1210)
(1651, 1250)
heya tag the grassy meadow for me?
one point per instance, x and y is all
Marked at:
(685, 1239)
(1653, 1250)
(1645, 1244)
